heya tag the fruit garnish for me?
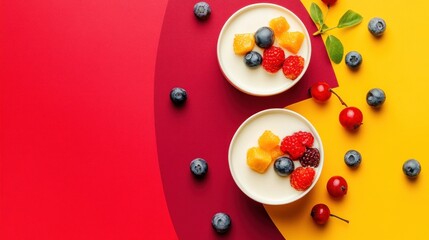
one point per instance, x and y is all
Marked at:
(293, 66)
(306, 138)
(292, 146)
(329, 2)
(221, 222)
(276, 152)
(264, 37)
(279, 25)
(199, 167)
(375, 97)
(337, 186)
(376, 26)
(272, 59)
(243, 43)
(295, 144)
(284, 166)
(178, 96)
(252, 59)
(320, 91)
(268, 140)
(352, 158)
(291, 41)
(302, 178)
(333, 45)
(353, 59)
(202, 10)
(351, 118)
(310, 158)
(258, 159)
(320, 214)
(411, 168)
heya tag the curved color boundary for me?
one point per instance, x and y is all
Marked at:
(204, 126)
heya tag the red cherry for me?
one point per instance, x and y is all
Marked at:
(320, 91)
(321, 213)
(329, 2)
(351, 118)
(337, 186)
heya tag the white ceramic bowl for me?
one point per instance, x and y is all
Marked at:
(269, 187)
(258, 82)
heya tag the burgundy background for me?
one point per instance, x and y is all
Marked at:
(204, 126)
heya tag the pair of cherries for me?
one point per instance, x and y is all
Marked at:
(350, 117)
(337, 188)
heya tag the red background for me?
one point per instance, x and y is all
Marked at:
(77, 149)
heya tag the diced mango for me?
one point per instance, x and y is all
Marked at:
(268, 140)
(291, 41)
(243, 43)
(258, 159)
(279, 25)
(276, 152)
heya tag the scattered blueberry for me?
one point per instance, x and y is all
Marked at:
(352, 158)
(264, 37)
(202, 10)
(353, 59)
(411, 168)
(221, 222)
(377, 26)
(178, 95)
(199, 167)
(284, 166)
(375, 97)
(253, 59)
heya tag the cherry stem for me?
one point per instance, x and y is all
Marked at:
(339, 98)
(345, 220)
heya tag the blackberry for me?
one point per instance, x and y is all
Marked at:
(310, 158)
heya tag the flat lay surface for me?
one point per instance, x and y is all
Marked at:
(92, 147)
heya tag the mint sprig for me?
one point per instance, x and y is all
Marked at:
(333, 45)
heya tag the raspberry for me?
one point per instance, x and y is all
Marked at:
(311, 158)
(272, 59)
(293, 66)
(302, 178)
(292, 146)
(306, 138)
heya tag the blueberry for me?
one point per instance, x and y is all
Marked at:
(411, 168)
(199, 167)
(178, 95)
(221, 222)
(284, 166)
(253, 59)
(375, 97)
(264, 37)
(352, 158)
(377, 26)
(353, 59)
(202, 10)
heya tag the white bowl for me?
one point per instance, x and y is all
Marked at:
(258, 82)
(269, 188)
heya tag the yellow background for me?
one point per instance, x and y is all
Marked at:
(381, 202)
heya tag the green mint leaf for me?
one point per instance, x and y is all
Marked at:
(335, 49)
(324, 28)
(349, 19)
(316, 14)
